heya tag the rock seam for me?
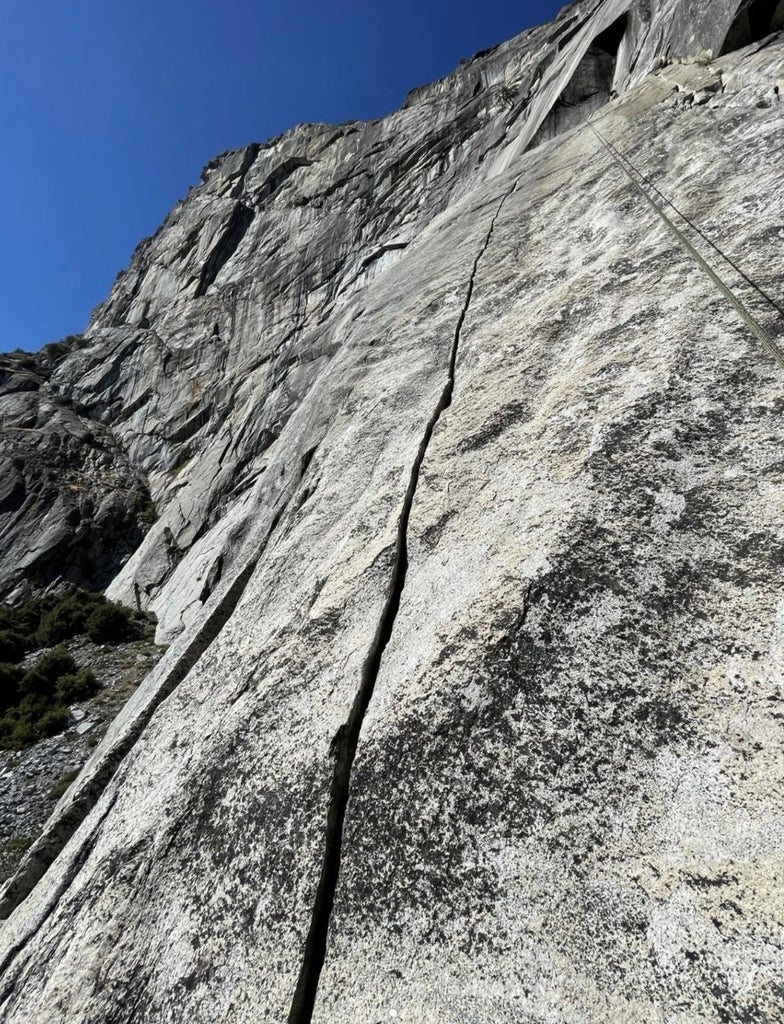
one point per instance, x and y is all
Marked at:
(344, 744)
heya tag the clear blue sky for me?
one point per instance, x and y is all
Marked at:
(109, 109)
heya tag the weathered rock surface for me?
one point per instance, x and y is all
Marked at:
(72, 506)
(449, 445)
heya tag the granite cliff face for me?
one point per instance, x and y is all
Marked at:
(469, 544)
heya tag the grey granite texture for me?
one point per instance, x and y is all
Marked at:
(470, 497)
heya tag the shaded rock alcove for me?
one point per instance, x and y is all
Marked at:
(753, 21)
(589, 88)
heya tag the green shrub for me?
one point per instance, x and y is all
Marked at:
(16, 844)
(10, 676)
(62, 622)
(32, 706)
(76, 686)
(53, 721)
(34, 719)
(62, 784)
(18, 626)
(34, 702)
(6, 728)
(67, 618)
(56, 663)
(41, 678)
(24, 734)
(33, 685)
(109, 623)
(13, 645)
(16, 733)
(49, 620)
(508, 94)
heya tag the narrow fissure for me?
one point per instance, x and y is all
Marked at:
(754, 20)
(344, 744)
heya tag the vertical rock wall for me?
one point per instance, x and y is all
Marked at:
(470, 547)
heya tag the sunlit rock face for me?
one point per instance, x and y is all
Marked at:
(469, 492)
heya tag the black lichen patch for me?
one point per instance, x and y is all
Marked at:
(431, 535)
(500, 421)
